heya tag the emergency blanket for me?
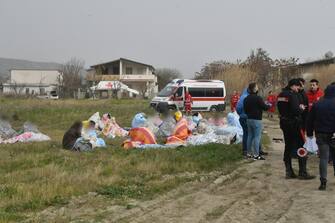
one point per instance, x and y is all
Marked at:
(26, 137)
(91, 136)
(108, 125)
(30, 133)
(139, 136)
(180, 133)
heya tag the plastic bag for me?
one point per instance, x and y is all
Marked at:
(139, 120)
(30, 127)
(6, 130)
(95, 118)
(311, 146)
(167, 127)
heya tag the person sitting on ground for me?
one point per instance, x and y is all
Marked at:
(181, 131)
(139, 134)
(70, 137)
(254, 106)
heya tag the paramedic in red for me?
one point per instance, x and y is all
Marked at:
(271, 99)
(314, 94)
(233, 101)
(188, 102)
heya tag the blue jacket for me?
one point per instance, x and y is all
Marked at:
(240, 104)
(321, 118)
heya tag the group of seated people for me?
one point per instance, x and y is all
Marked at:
(83, 136)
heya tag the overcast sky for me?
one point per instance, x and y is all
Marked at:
(182, 34)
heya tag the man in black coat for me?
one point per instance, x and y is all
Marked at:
(321, 120)
(291, 110)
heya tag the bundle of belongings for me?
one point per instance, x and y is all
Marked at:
(29, 133)
(83, 136)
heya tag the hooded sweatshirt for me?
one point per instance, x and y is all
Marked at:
(321, 118)
(240, 104)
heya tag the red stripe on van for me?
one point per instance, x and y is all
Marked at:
(208, 99)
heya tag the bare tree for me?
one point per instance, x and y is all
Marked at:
(70, 79)
(165, 75)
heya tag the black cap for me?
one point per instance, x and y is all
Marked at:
(295, 82)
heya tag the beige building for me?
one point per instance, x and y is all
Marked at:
(31, 82)
(135, 75)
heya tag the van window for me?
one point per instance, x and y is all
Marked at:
(179, 92)
(197, 92)
(214, 92)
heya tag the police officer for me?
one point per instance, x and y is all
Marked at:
(291, 111)
(303, 100)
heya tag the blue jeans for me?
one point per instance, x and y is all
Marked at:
(243, 122)
(254, 136)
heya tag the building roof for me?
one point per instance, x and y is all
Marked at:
(321, 61)
(123, 59)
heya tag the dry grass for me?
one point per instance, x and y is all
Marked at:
(37, 175)
(236, 78)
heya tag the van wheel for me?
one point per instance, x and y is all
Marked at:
(213, 109)
(172, 107)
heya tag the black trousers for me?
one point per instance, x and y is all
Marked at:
(293, 137)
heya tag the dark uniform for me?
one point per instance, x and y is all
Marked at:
(303, 99)
(291, 124)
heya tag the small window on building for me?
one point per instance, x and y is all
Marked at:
(116, 70)
(129, 70)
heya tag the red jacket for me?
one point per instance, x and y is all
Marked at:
(188, 99)
(313, 97)
(233, 101)
(272, 99)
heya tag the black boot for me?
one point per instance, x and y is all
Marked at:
(303, 175)
(289, 170)
(323, 184)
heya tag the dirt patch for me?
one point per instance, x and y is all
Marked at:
(256, 192)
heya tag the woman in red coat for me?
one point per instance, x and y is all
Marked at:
(271, 99)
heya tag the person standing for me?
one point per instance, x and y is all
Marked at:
(321, 120)
(233, 101)
(254, 106)
(243, 123)
(272, 100)
(290, 111)
(314, 94)
(188, 102)
(303, 101)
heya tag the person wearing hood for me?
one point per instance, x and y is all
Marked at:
(291, 122)
(70, 137)
(243, 121)
(254, 106)
(321, 121)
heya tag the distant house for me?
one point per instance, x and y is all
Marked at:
(31, 82)
(135, 75)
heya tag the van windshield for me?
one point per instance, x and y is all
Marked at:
(167, 91)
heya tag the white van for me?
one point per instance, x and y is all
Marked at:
(207, 95)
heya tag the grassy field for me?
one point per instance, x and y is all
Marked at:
(37, 175)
